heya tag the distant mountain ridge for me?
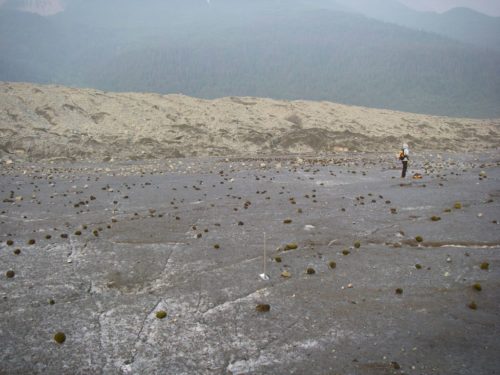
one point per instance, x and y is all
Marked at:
(462, 24)
(294, 49)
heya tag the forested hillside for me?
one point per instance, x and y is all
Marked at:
(285, 50)
(461, 24)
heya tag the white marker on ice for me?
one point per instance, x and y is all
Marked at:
(264, 275)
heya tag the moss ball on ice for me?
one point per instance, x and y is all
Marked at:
(59, 337)
(162, 314)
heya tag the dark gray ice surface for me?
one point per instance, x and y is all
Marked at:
(187, 236)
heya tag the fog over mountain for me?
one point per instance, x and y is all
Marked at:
(489, 7)
(371, 53)
(41, 7)
(463, 24)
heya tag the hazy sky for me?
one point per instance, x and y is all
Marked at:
(491, 7)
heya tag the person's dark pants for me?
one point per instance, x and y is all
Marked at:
(405, 167)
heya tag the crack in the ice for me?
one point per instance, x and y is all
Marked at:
(278, 338)
(101, 344)
(163, 273)
(231, 301)
(143, 325)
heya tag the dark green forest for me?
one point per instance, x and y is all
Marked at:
(284, 50)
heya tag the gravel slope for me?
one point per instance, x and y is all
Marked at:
(52, 122)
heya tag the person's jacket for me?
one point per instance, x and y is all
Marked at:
(404, 155)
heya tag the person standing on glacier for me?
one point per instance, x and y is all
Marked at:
(404, 156)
